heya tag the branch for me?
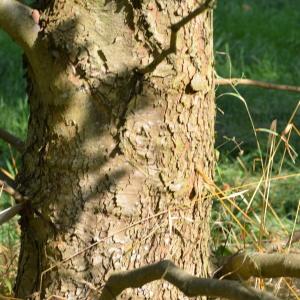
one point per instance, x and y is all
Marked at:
(173, 39)
(11, 191)
(257, 83)
(243, 266)
(9, 186)
(17, 20)
(191, 286)
(12, 140)
(9, 213)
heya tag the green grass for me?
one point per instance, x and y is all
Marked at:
(258, 40)
(13, 117)
(13, 103)
(232, 172)
(13, 108)
(12, 83)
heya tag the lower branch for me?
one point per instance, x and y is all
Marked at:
(242, 266)
(8, 186)
(12, 140)
(11, 191)
(9, 213)
(257, 83)
(191, 286)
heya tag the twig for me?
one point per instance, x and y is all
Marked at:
(8, 186)
(9, 213)
(262, 265)
(257, 83)
(173, 39)
(191, 286)
(12, 140)
(11, 191)
(8, 180)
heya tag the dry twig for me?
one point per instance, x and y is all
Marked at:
(257, 83)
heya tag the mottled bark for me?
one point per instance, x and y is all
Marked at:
(108, 146)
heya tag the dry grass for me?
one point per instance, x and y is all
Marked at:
(248, 216)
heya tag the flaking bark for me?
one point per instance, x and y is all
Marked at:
(108, 146)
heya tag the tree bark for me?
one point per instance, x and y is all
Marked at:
(108, 146)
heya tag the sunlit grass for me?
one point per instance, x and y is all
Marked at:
(256, 197)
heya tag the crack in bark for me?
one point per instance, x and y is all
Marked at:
(173, 39)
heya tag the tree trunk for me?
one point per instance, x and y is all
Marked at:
(110, 145)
